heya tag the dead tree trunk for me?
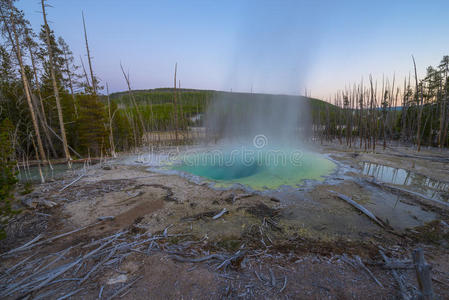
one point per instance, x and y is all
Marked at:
(175, 107)
(16, 46)
(85, 73)
(111, 134)
(444, 97)
(55, 87)
(40, 113)
(133, 100)
(419, 104)
(94, 84)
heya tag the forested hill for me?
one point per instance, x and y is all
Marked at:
(191, 96)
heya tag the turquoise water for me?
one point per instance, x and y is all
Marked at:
(267, 169)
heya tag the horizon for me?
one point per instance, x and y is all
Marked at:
(244, 48)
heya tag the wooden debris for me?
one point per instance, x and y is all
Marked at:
(199, 259)
(407, 264)
(359, 207)
(125, 288)
(101, 292)
(74, 181)
(284, 285)
(423, 275)
(106, 218)
(35, 202)
(240, 196)
(220, 214)
(25, 246)
(402, 290)
(42, 214)
(273, 278)
(70, 294)
(361, 264)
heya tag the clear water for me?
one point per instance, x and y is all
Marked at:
(264, 171)
(421, 184)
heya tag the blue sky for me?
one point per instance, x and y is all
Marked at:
(266, 46)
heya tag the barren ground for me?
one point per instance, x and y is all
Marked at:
(297, 244)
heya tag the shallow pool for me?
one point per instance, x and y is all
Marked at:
(418, 183)
(259, 170)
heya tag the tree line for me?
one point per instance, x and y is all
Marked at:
(54, 110)
(414, 112)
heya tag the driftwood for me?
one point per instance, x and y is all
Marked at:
(393, 265)
(365, 268)
(273, 278)
(33, 274)
(402, 289)
(106, 218)
(284, 285)
(423, 275)
(220, 214)
(125, 288)
(25, 246)
(74, 181)
(32, 243)
(415, 194)
(360, 208)
(240, 196)
(70, 294)
(357, 263)
(196, 260)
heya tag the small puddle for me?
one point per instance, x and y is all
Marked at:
(417, 183)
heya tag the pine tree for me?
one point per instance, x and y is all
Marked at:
(7, 174)
(13, 24)
(69, 70)
(91, 125)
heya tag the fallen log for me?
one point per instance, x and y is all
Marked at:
(74, 181)
(360, 208)
(220, 214)
(199, 259)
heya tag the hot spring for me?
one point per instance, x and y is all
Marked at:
(257, 141)
(258, 170)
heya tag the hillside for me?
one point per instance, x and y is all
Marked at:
(191, 97)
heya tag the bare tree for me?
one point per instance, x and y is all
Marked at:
(17, 49)
(94, 84)
(175, 107)
(55, 86)
(111, 117)
(419, 103)
(131, 96)
(30, 44)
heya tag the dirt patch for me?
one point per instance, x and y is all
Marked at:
(298, 248)
(162, 278)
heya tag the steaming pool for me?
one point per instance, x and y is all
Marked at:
(258, 170)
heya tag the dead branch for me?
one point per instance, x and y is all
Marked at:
(360, 208)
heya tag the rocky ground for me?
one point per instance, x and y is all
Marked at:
(118, 230)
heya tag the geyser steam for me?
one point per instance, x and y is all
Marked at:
(259, 142)
(236, 118)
